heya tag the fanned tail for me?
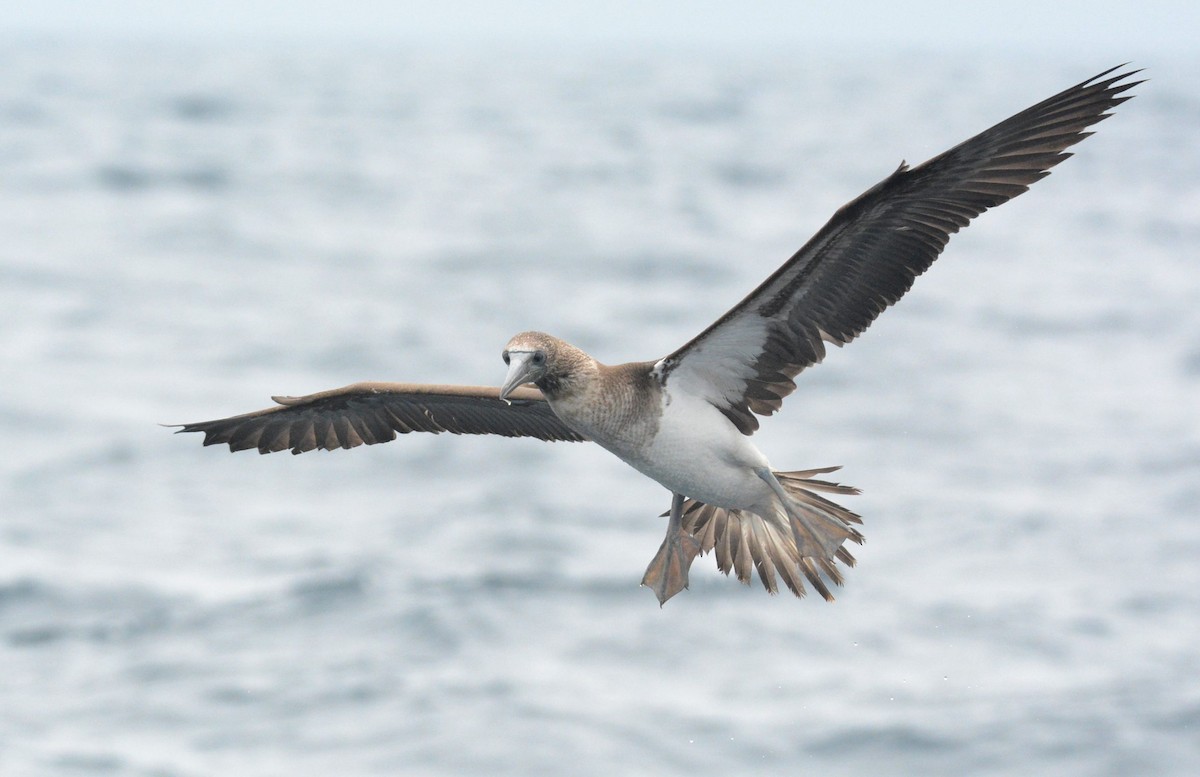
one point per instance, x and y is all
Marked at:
(742, 540)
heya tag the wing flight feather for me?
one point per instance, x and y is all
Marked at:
(371, 413)
(872, 250)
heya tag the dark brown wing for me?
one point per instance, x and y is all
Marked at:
(870, 252)
(370, 413)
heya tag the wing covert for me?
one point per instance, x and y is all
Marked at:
(868, 255)
(371, 413)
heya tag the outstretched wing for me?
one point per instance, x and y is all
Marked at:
(370, 413)
(870, 252)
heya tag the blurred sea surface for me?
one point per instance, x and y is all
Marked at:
(189, 230)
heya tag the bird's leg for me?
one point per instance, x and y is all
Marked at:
(816, 535)
(667, 574)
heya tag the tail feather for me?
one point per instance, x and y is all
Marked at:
(743, 541)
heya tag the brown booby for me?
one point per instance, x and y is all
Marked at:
(685, 420)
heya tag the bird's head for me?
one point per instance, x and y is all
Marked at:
(538, 358)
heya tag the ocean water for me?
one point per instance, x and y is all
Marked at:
(189, 230)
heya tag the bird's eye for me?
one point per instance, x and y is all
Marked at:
(504, 356)
(539, 357)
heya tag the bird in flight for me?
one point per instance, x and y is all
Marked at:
(686, 419)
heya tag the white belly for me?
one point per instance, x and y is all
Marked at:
(697, 452)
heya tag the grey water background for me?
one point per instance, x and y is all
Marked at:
(189, 230)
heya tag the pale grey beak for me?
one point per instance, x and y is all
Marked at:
(520, 369)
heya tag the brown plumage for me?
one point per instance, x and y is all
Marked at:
(370, 413)
(685, 420)
(875, 246)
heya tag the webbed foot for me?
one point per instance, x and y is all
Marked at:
(667, 573)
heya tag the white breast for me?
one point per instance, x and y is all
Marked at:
(697, 452)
